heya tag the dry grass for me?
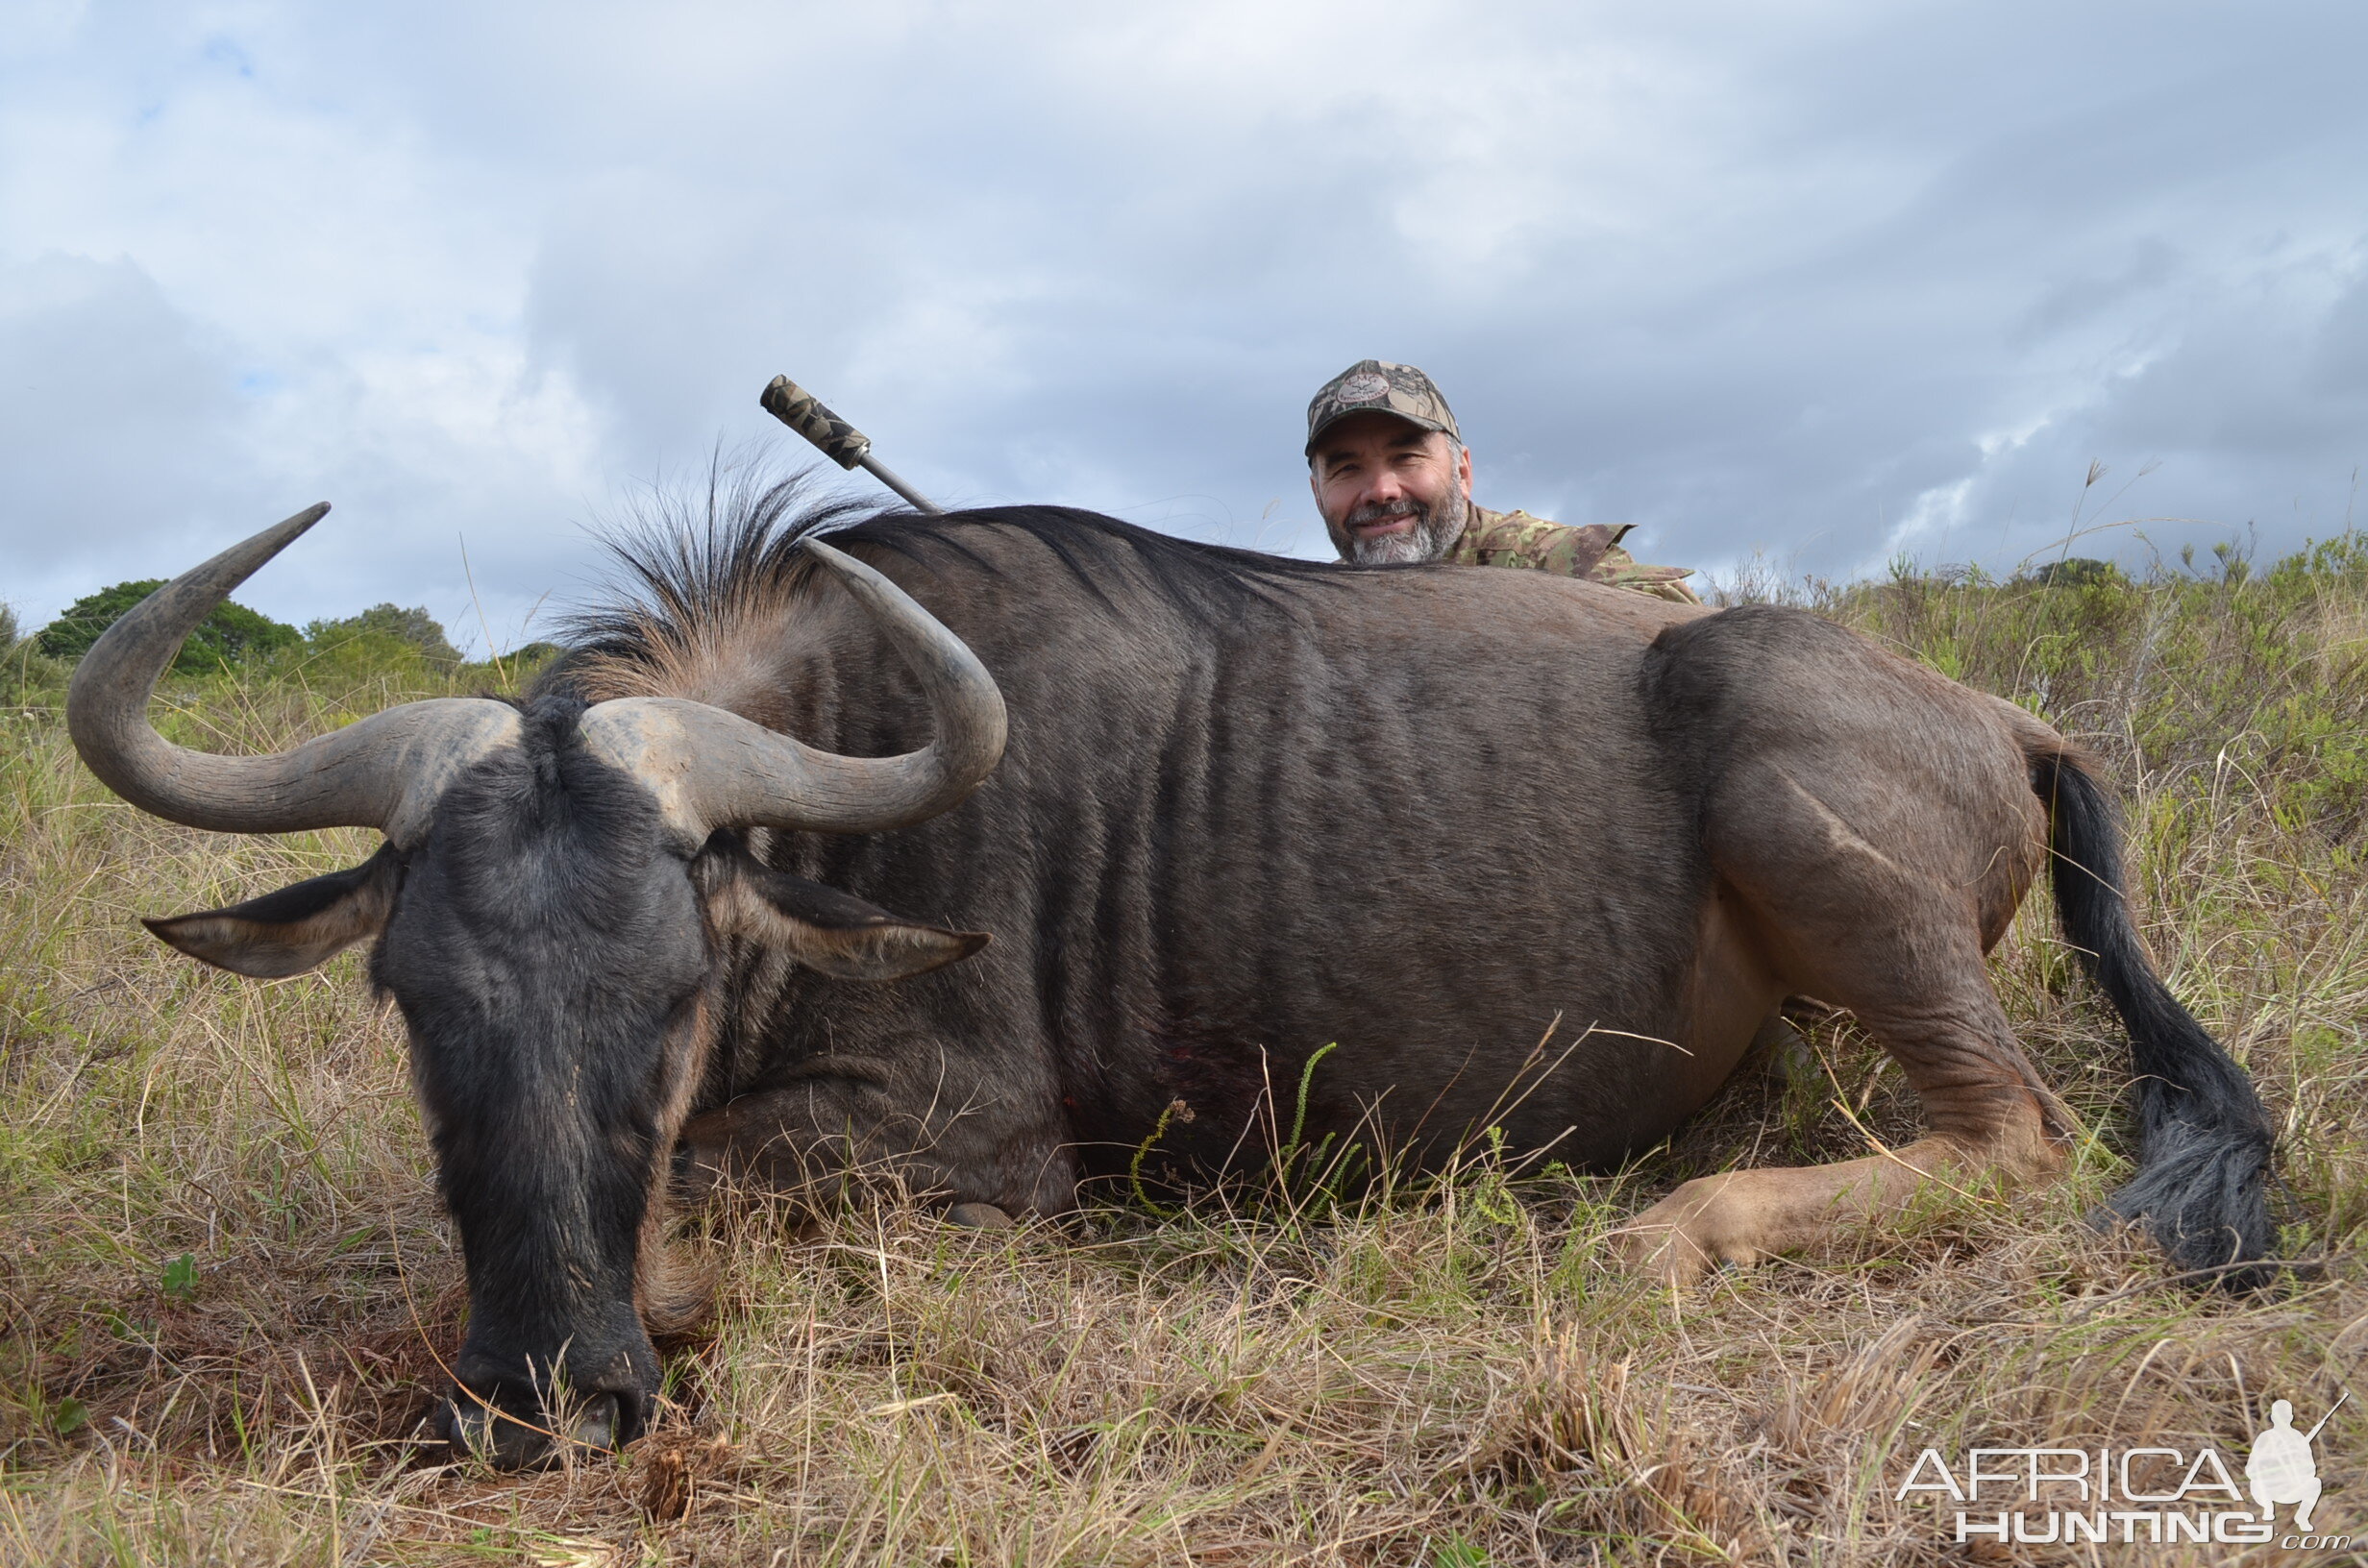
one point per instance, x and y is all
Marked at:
(1449, 1377)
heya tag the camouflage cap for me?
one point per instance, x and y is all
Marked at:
(1378, 385)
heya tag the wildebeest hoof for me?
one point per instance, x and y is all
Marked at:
(693, 1174)
(1686, 1235)
(1786, 1051)
(1662, 1253)
(979, 1217)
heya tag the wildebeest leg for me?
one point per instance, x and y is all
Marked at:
(948, 1138)
(1886, 926)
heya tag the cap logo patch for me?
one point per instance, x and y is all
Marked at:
(1364, 388)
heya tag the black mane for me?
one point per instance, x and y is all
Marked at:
(685, 559)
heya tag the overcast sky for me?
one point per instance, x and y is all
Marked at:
(1828, 282)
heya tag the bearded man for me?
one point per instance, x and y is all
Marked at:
(1393, 479)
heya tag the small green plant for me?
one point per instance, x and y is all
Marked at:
(180, 1281)
(1292, 1147)
(1490, 1194)
(1142, 1151)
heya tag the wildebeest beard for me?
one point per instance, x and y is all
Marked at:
(1435, 531)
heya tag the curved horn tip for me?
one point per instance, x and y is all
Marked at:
(297, 525)
(276, 538)
(187, 597)
(287, 529)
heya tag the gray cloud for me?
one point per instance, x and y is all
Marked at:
(1833, 282)
(114, 404)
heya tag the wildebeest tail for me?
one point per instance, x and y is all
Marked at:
(2204, 1138)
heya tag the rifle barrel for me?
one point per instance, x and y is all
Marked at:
(879, 471)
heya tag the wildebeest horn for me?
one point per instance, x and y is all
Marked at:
(384, 772)
(712, 769)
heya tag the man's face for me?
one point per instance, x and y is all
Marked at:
(1389, 490)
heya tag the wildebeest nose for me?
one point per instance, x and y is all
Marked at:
(492, 1434)
(512, 1443)
(595, 1424)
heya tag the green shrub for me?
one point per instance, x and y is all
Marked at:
(2072, 572)
(230, 634)
(388, 623)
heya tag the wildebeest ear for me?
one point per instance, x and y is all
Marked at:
(828, 930)
(293, 930)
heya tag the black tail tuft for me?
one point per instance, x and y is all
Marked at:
(2204, 1138)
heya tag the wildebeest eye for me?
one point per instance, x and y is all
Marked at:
(820, 927)
(294, 929)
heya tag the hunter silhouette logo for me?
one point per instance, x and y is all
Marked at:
(2144, 1495)
(2281, 1469)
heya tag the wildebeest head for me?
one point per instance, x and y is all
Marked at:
(550, 909)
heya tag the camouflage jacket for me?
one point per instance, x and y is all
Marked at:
(1593, 551)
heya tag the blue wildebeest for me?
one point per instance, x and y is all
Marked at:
(1246, 807)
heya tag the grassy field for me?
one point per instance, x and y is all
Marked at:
(228, 1286)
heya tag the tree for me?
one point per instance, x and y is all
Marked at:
(231, 633)
(2072, 572)
(414, 627)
